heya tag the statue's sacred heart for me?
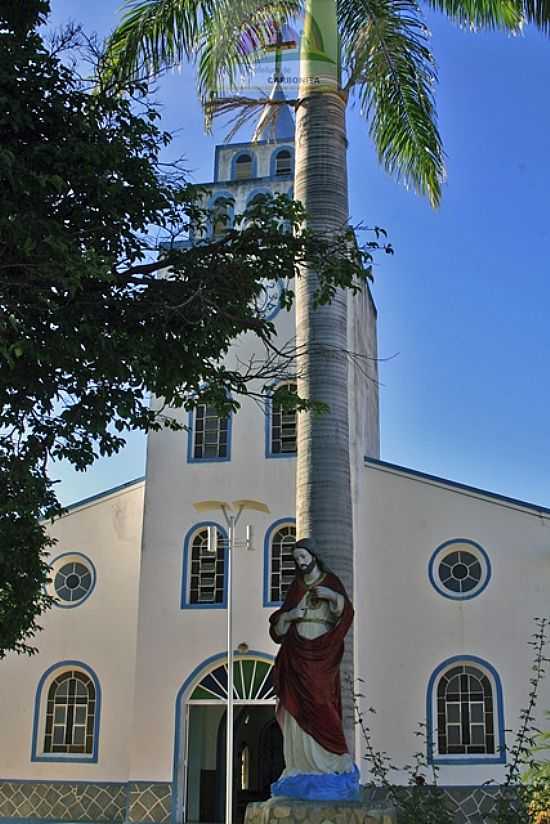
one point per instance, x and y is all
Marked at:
(312, 601)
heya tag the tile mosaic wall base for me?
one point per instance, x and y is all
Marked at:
(61, 801)
(469, 805)
(98, 802)
(291, 811)
(149, 802)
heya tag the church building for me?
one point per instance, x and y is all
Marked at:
(121, 716)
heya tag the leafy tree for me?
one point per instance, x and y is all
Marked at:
(92, 318)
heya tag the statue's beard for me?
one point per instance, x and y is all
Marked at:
(309, 568)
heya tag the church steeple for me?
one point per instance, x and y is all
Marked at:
(276, 121)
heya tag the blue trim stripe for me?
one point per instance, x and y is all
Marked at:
(538, 510)
(39, 708)
(89, 563)
(430, 728)
(267, 602)
(184, 691)
(184, 600)
(438, 554)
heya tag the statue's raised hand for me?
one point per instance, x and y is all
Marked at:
(325, 594)
(295, 614)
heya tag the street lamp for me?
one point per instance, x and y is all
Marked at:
(231, 513)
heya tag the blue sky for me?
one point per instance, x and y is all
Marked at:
(464, 303)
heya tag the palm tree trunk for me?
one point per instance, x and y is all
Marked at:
(323, 487)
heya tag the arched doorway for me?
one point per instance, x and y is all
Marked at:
(257, 754)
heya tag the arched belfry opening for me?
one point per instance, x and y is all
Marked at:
(201, 739)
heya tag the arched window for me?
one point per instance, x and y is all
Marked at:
(282, 569)
(70, 714)
(258, 198)
(210, 434)
(244, 165)
(465, 714)
(283, 422)
(255, 200)
(206, 570)
(221, 217)
(283, 163)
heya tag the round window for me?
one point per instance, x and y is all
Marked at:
(73, 579)
(459, 569)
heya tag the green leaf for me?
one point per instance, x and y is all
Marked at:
(482, 14)
(392, 71)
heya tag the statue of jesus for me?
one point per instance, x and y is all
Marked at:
(310, 627)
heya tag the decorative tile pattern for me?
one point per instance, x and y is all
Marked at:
(474, 805)
(470, 805)
(149, 802)
(98, 802)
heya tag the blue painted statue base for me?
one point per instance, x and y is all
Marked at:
(319, 786)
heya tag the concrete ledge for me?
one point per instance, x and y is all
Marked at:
(290, 810)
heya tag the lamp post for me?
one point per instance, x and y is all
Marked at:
(231, 513)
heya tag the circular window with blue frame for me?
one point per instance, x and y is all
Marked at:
(459, 569)
(72, 579)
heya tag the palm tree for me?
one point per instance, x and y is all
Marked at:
(385, 60)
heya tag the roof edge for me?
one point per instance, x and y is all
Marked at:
(100, 495)
(474, 491)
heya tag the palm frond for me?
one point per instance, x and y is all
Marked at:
(227, 37)
(154, 34)
(235, 37)
(482, 14)
(537, 12)
(391, 68)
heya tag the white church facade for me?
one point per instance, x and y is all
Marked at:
(120, 717)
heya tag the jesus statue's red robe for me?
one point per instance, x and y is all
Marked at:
(307, 671)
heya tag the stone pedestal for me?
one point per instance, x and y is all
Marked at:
(291, 811)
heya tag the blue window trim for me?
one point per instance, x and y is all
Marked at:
(259, 190)
(181, 701)
(224, 148)
(267, 602)
(273, 161)
(191, 441)
(40, 706)
(498, 699)
(184, 600)
(64, 605)
(457, 596)
(234, 159)
(268, 408)
(221, 195)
